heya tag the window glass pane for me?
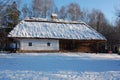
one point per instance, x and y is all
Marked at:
(30, 43)
(48, 44)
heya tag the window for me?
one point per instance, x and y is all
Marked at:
(30, 44)
(48, 44)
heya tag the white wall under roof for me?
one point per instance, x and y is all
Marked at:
(39, 44)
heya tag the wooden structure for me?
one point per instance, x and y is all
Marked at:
(43, 35)
(79, 45)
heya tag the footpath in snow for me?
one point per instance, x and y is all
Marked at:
(59, 66)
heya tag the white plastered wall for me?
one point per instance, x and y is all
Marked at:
(39, 44)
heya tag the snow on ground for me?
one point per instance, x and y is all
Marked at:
(59, 66)
(62, 75)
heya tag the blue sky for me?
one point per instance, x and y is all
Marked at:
(106, 6)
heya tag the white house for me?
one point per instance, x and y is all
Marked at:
(35, 35)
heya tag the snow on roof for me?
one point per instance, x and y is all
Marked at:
(57, 29)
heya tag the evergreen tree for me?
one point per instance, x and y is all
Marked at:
(9, 19)
(11, 16)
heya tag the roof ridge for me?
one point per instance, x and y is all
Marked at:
(32, 19)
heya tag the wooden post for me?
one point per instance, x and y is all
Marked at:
(97, 47)
(16, 46)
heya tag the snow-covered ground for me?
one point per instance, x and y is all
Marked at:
(59, 66)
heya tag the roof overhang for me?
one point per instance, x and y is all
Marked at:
(82, 40)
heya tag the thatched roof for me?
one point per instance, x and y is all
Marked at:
(57, 29)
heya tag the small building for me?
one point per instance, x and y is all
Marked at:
(44, 35)
(113, 44)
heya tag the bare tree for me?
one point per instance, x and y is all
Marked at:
(1, 5)
(117, 28)
(74, 11)
(63, 13)
(84, 16)
(97, 19)
(37, 7)
(43, 8)
(26, 11)
(71, 12)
